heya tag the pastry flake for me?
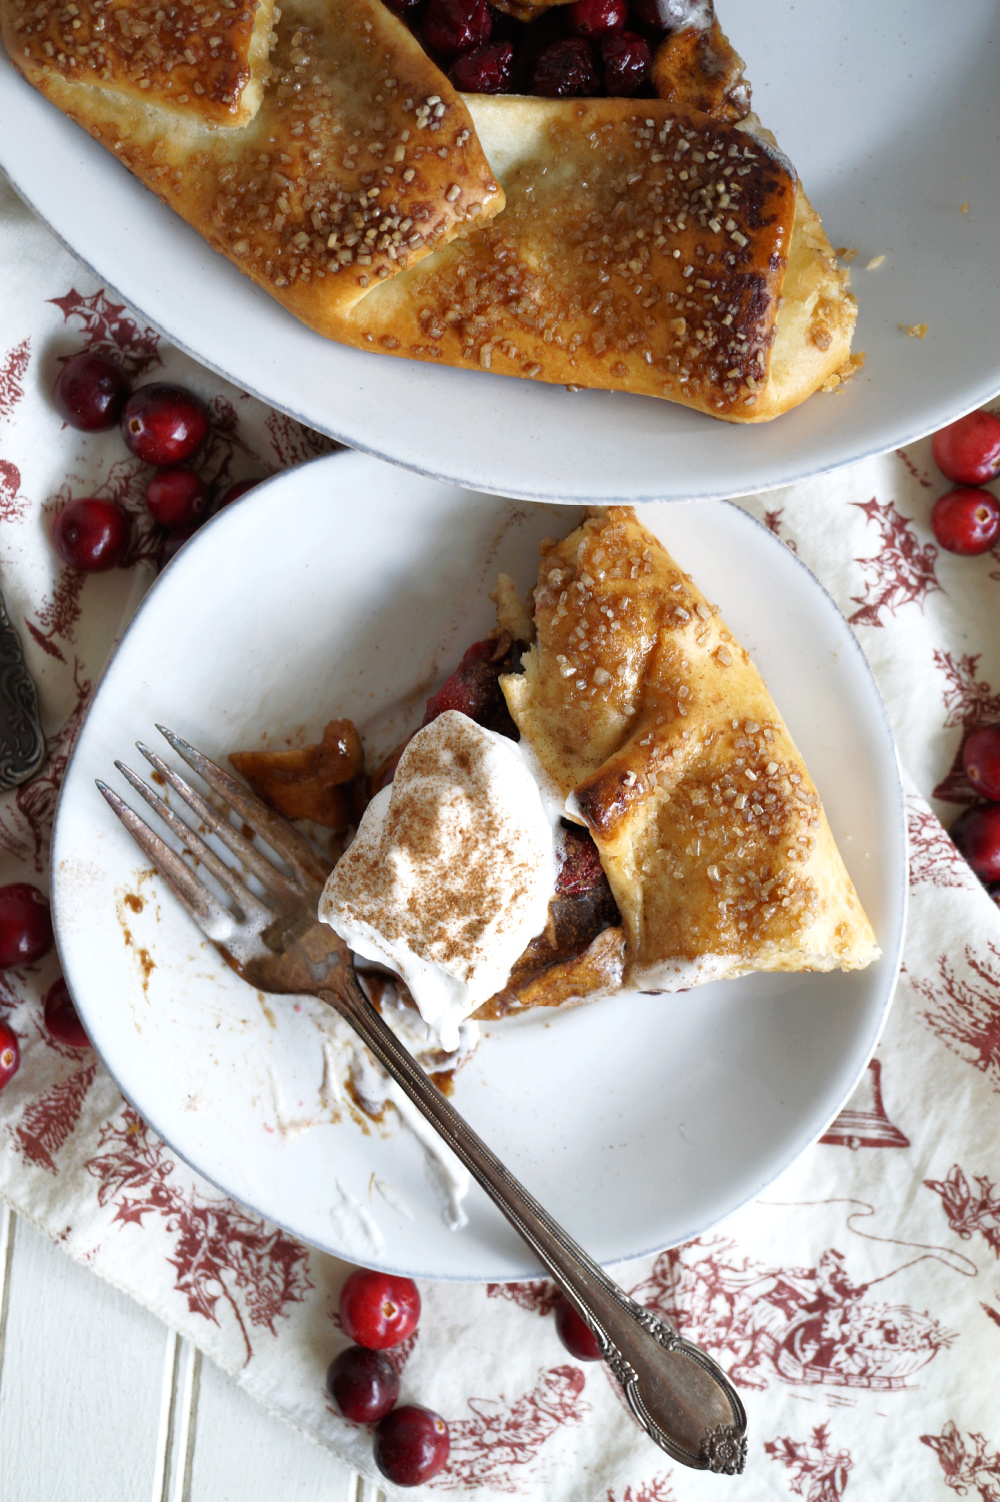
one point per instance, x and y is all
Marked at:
(650, 720)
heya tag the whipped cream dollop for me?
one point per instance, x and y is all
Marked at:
(451, 871)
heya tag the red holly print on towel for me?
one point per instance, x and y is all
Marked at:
(220, 1251)
(970, 703)
(968, 1463)
(970, 1210)
(657, 1490)
(819, 1473)
(12, 369)
(539, 1297)
(773, 523)
(50, 1120)
(487, 1449)
(294, 443)
(900, 573)
(965, 1009)
(26, 818)
(920, 475)
(804, 1325)
(12, 504)
(934, 860)
(109, 329)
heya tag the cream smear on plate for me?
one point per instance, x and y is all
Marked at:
(451, 871)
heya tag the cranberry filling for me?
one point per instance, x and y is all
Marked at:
(589, 49)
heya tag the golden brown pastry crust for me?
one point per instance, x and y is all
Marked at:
(650, 246)
(648, 715)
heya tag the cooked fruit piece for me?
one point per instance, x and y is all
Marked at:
(312, 782)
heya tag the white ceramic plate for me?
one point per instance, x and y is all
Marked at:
(638, 1121)
(891, 115)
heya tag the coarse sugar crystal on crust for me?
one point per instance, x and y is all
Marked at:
(648, 716)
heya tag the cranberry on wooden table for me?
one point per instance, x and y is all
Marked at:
(565, 70)
(92, 535)
(25, 925)
(968, 451)
(177, 497)
(977, 835)
(164, 424)
(981, 760)
(378, 1310)
(486, 70)
(90, 392)
(592, 18)
(966, 521)
(62, 1018)
(363, 1384)
(10, 1054)
(411, 1445)
(577, 1336)
(453, 26)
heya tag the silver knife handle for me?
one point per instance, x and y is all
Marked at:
(677, 1392)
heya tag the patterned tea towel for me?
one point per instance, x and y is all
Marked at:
(851, 1304)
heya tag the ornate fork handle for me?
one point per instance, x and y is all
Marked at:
(678, 1394)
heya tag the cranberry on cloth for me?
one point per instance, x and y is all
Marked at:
(856, 1304)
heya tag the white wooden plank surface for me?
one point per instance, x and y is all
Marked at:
(99, 1402)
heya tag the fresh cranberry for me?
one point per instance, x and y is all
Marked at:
(235, 491)
(25, 925)
(581, 868)
(578, 1338)
(10, 1054)
(62, 1018)
(90, 392)
(564, 70)
(379, 1310)
(163, 424)
(92, 535)
(968, 451)
(363, 1384)
(177, 497)
(592, 18)
(981, 760)
(411, 1445)
(977, 835)
(453, 26)
(172, 544)
(626, 59)
(966, 521)
(487, 70)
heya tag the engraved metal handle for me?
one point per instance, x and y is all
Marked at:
(677, 1392)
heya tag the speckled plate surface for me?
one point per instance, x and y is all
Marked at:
(638, 1121)
(891, 115)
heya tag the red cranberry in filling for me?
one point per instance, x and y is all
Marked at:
(25, 925)
(592, 18)
(968, 451)
(164, 424)
(90, 392)
(453, 26)
(626, 63)
(363, 1384)
(177, 497)
(487, 70)
(378, 1310)
(404, 7)
(981, 760)
(62, 1018)
(966, 521)
(565, 70)
(977, 835)
(411, 1445)
(581, 868)
(10, 1054)
(91, 535)
(578, 1338)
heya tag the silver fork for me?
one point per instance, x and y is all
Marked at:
(677, 1392)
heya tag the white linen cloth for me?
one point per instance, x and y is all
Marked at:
(857, 1304)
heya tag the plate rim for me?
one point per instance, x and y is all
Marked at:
(896, 923)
